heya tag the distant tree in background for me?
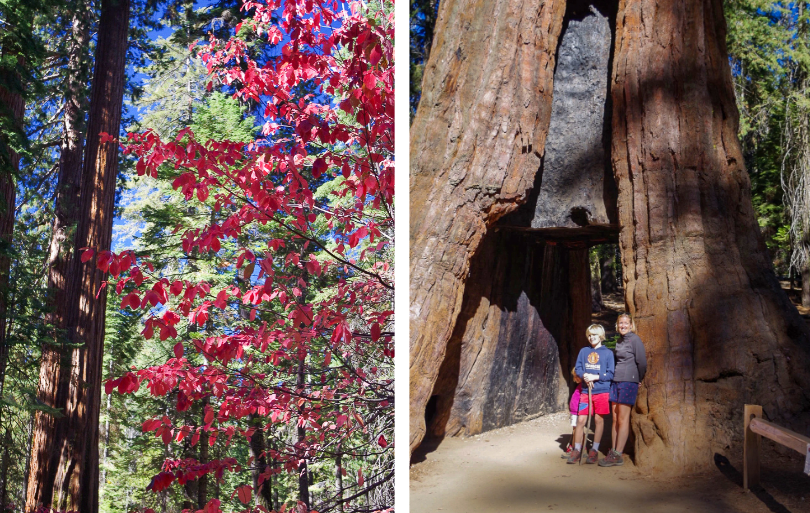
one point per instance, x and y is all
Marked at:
(423, 20)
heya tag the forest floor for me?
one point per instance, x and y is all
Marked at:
(518, 468)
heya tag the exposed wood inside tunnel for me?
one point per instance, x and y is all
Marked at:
(526, 307)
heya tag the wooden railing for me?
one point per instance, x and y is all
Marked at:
(755, 428)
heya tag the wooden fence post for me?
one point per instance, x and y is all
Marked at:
(753, 443)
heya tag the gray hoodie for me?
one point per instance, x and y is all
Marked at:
(631, 360)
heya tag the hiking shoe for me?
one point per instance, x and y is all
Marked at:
(613, 459)
(567, 452)
(574, 457)
(593, 457)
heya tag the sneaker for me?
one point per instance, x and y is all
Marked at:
(567, 452)
(593, 457)
(613, 459)
(574, 457)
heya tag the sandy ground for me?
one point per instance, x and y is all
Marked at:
(518, 468)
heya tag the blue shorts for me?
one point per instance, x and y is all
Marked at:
(623, 392)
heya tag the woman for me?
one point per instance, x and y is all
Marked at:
(631, 365)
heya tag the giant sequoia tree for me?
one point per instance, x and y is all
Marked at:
(718, 329)
(64, 454)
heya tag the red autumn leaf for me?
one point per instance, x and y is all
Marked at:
(183, 404)
(178, 350)
(150, 425)
(131, 300)
(104, 260)
(176, 288)
(128, 384)
(383, 443)
(87, 255)
(212, 506)
(110, 385)
(370, 81)
(244, 493)
(161, 482)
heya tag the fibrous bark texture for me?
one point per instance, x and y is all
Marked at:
(53, 383)
(476, 144)
(64, 465)
(526, 307)
(718, 329)
(12, 107)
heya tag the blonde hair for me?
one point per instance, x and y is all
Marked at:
(630, 318)
(596, 329)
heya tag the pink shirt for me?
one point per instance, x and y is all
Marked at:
(573, 406)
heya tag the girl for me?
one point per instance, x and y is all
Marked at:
(573, 407)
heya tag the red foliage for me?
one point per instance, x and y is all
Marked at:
(321, 289)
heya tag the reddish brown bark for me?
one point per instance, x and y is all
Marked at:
(476, 144)
(53, 383)
(12, 106)
(69, 479)
(718, 329)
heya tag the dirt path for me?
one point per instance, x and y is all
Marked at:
(519, 468)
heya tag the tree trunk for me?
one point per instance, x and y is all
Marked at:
(476, 144)
(12, 107)
(258, 451)
(608, 281)
(65, 455)
(806, 285)
(49, 434)
(4, 471)
(202, 487)
(302, 448)
(596, 282)
(303, 471)
(718, 329)
(339, 479)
